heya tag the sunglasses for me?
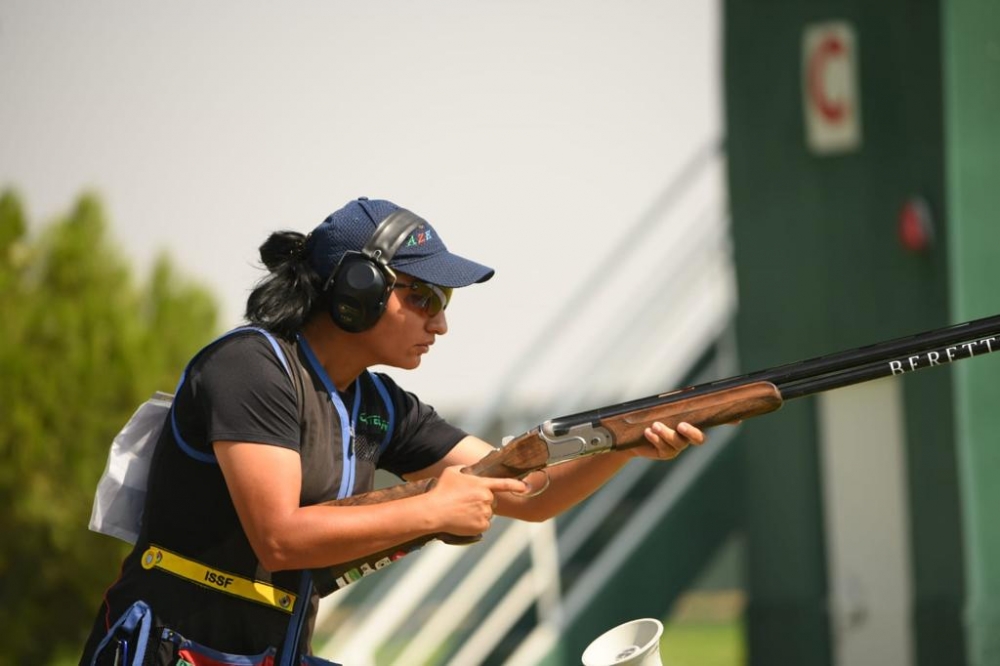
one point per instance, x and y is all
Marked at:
(425, 296)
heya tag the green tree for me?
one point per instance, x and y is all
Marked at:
(81, 346)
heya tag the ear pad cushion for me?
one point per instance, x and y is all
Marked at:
(358, 296)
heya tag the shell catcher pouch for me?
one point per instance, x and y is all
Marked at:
(136, 639)
(121, 491)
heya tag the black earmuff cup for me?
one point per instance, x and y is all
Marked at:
(358, 289)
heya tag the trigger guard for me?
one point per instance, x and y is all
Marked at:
(536, 493)
(456, 540)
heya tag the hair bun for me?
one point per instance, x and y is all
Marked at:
(282, 247)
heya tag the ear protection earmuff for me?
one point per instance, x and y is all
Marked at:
(358, 289)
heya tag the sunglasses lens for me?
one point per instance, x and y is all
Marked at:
(441, 302)
(427, 297)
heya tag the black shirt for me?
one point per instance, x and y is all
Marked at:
(238, 389)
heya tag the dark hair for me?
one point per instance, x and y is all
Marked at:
(284, 299)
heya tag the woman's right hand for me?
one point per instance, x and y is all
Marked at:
(463, 504)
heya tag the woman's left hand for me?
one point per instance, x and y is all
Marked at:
(665, 443)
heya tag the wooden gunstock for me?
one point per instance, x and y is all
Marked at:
(397, 492)
(331, 579)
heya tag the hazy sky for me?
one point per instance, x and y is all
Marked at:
(531, 134)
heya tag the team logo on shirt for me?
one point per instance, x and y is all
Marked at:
(375, 421)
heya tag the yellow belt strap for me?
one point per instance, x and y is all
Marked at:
(214, 579)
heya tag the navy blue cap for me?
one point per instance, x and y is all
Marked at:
(423, 254)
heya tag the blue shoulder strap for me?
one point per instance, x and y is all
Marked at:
(135, 623)
(187, 448)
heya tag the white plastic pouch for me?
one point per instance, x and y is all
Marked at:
(121, 492)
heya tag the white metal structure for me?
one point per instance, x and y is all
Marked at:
(863, 445)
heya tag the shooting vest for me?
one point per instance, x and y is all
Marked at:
(193, 564)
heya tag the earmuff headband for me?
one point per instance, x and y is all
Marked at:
(390, 234)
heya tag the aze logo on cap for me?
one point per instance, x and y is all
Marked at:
(421, 236)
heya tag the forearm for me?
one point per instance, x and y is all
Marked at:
(320, 536)
(569, 484)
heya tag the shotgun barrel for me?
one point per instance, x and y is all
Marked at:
(824, 373)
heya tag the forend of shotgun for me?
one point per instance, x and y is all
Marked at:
(704, 410)
(622, 426)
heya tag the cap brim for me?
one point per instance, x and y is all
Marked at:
(444, 269)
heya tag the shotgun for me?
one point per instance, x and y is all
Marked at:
(621, 426)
